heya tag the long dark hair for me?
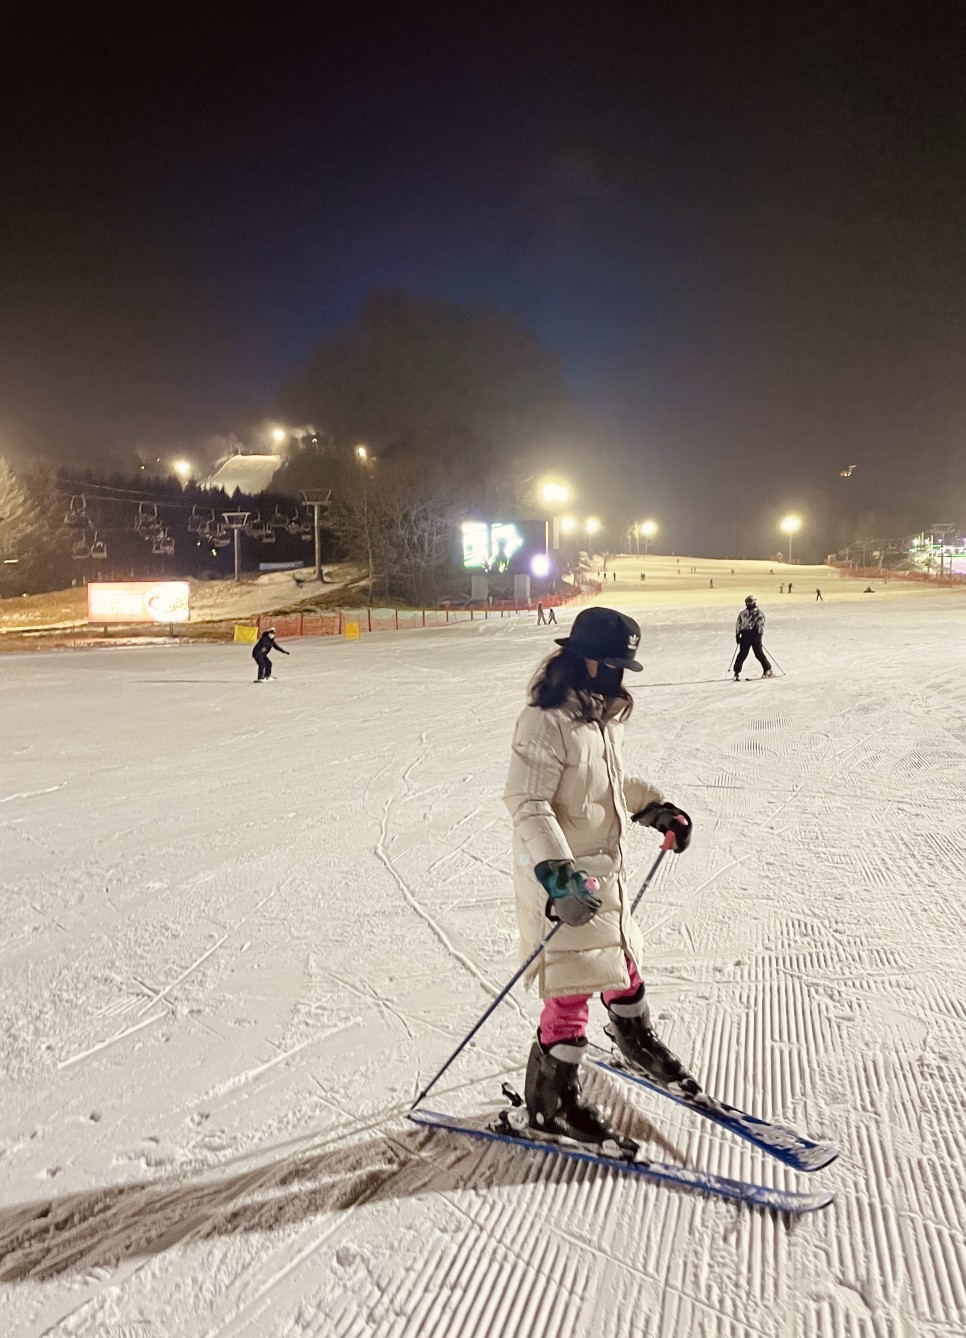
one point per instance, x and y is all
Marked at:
(563, 679)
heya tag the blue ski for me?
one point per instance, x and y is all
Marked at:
(680, 1177)
(786, 1145)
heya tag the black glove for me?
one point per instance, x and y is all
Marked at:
(737, 638)
(284, 652)
(667, 818)
(571, 894)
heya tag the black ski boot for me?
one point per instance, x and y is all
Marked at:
(555, 1104)
(630, 1028)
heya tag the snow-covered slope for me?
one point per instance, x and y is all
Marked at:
(243, 926)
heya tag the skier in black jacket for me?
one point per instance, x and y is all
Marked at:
(263, 647)
(749, 629)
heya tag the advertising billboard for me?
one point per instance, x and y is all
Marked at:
(137, 601)
(491, 547)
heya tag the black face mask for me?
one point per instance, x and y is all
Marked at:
(608, 680)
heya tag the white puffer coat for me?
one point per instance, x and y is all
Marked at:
(569, 800)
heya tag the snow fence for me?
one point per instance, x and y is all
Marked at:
(404, 620)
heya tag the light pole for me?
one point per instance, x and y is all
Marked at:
(648, 528)
(552, 494)
(790, 525)
(365, 460)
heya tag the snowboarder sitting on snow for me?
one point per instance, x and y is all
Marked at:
(749, 629)
(263, 647)
(571, 806)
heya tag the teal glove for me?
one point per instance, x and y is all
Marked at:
(571, 894)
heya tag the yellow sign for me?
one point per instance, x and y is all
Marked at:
(352, 632)
(246, 635)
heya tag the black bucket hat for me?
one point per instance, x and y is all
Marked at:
(604, 634)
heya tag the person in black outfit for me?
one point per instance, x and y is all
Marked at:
(749, 629)
(263, 647)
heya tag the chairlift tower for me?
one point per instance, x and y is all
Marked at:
(236, 522)
(319, 499)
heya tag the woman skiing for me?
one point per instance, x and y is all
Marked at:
(571, 807)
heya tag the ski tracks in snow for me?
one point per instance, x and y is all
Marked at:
(804, 956)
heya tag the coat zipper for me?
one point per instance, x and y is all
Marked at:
(620, 841)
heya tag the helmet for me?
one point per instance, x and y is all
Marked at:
(749, 600)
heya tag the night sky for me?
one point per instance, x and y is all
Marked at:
(743, 226)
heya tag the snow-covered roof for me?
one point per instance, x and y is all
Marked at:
(250, 474)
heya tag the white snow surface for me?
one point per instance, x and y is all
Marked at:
(245, 924)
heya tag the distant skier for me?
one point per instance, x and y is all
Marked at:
(749, 630)
(552, 616)
(818, 596)
(781, 588)
(789, 587)
(571, 806)
(541, 617)
(263, 647)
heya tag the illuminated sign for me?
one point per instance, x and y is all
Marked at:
(476, 544)
(137, 601)
(490, 547)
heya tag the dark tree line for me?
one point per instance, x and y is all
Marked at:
(459, 413)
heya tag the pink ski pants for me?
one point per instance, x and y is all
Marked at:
(564, 1017)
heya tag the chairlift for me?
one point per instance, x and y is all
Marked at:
(279, 521)
(269, 535)
(256, 527)
(294, 526)
(77, 510)
(146, 521)
(220, 538)
(80, 549)
(163, 544)
(196, 521)
(306, 530)
(98, 549)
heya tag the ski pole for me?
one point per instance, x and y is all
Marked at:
(668, 844)
(733, 657)
(496, 1002)
(777, 665)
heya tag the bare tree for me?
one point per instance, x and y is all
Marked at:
(22, 530)
(401, 528)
